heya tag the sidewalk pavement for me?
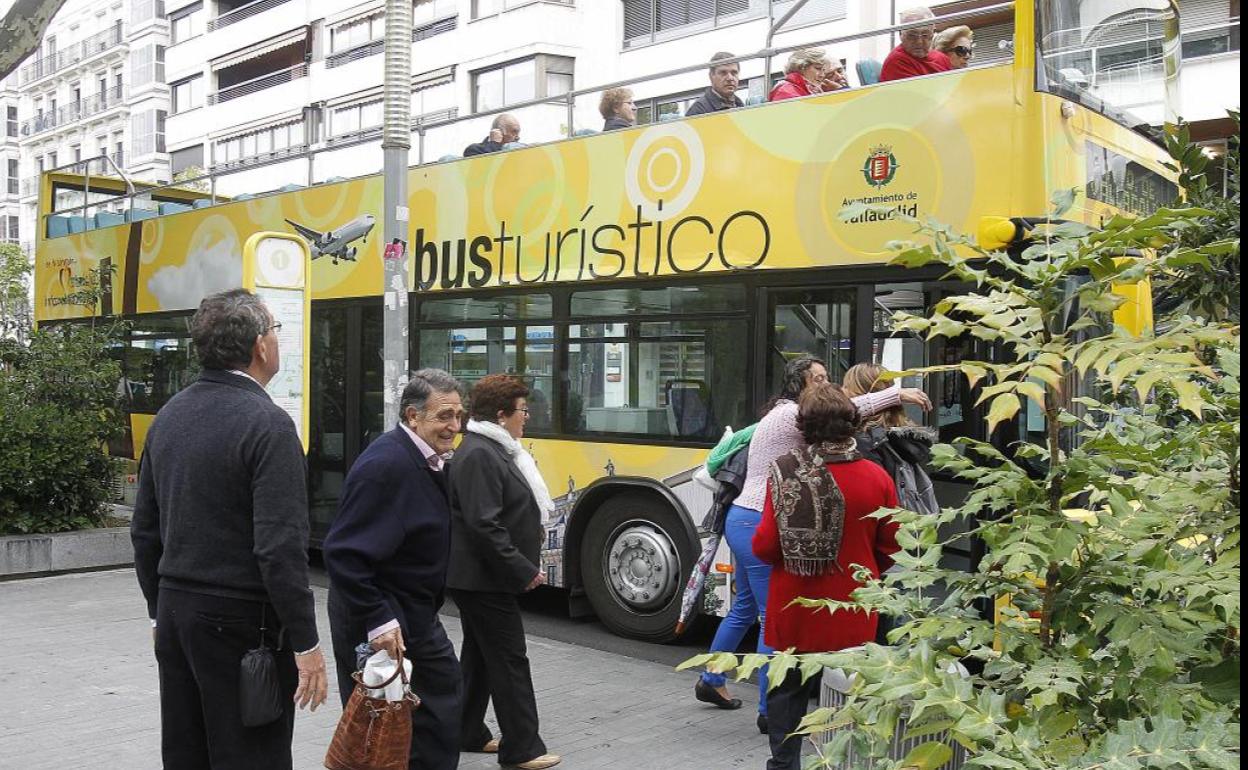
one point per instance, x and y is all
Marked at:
(79, 690)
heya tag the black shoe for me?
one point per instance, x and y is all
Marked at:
(762, 724)
(707, 694)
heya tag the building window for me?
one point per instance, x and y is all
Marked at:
(148, 66)
(648, 20)
(12, 181)
(188, 94)
(483, 8)
(521, 81)
(15, 230)
(146, 10)
(187, 157)
(356, 117)
(357, 32)
(147, 132)
(425, 11)
(10, 115)
(269, 142)
(186, 23)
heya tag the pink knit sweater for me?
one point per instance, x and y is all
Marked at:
(778, 434)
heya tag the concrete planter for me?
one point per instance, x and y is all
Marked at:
(31, 555)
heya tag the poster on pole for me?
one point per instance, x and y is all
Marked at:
(276, 267)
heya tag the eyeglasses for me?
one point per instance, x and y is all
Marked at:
(964, 51)
(274, 327)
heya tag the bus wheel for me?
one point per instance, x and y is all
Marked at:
(634, 561)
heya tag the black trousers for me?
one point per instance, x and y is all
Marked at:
(436, 679)
(786, 708)
(495, 661)
(200, 643)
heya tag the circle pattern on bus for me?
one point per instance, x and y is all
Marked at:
(665, 170)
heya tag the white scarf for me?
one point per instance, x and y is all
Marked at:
(523, 460)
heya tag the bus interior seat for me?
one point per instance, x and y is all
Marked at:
(335, 180)
(108, 219)
(869, 71)
(244, 197)
(514, 145)
(754, 101)
(670, 117)
(58, 225)
(584, 132)
(138, 215)
(172, 208)
(77, 225)
(290, 187)
(689, 413)
(449, 158)
(202, 203)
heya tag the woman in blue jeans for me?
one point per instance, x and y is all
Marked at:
(777, 434)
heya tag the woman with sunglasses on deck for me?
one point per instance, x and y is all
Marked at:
(958, 43)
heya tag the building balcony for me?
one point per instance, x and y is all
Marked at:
(261, 83)
(51, 64)
(93, 105)
(242, 12)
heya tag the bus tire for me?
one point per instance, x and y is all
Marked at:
(635, 560)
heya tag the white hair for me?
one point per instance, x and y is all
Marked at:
(914, 15)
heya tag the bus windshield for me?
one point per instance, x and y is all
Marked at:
(1118, 57)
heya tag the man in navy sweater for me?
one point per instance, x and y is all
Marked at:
(220, 535)
(387, 553)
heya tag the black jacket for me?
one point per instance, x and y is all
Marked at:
(710, 102)
(496, 525)
(729, 480)
(222, 504)
(387, 549)
(483, 148)
(616, 123)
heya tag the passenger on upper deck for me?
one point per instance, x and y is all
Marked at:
(958, 43)
(617, 109)
(915, 57)
(834, 76)
(722, 95)
(803, 75)
(505, 130)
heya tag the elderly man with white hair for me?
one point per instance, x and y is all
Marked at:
(915, 56)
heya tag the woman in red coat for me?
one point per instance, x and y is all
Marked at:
(805, 71)
(815, 529)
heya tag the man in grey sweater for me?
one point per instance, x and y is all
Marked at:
(220, 535)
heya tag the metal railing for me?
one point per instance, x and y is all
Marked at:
(375, 47)
(270, 80)
(444, 119)
(242, 12)
(80, 110)
(75, 53)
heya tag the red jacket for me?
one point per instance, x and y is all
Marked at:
(900, 65)
(868, 542)
(792, 87)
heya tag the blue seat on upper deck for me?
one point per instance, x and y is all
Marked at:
(202, 203)
(869, 71)
(108, 219)
(77, 225)
(138, 215)
(58, 225)
(172, 208)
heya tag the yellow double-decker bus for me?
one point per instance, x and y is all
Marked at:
(650, 284)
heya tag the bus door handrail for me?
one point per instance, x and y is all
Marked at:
(766, 54)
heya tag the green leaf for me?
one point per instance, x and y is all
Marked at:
(927, 756)
(1004, 407)
(1191, 397)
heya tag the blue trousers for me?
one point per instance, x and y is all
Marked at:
(753, 577)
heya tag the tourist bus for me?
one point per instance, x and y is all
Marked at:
(650, 284)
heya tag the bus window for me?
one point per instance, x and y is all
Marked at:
(659, 301)
(811, 323)
(327, 446)
(372, 379)
(159, 361)
(470, 353)
(894, 352)
(675, 380)
(487, 308)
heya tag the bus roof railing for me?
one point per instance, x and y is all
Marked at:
(567, 100)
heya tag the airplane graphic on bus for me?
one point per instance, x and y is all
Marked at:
(336, 244)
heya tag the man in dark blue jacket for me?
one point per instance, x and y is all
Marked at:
(220, 535)
(387, 554)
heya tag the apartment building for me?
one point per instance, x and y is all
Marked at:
(95, 87)
(11, 230)
(255, 84)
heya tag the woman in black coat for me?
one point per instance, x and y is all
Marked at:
(499, 508)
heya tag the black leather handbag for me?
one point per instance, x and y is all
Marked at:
(259, 687)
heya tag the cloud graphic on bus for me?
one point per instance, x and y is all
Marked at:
(211, 268)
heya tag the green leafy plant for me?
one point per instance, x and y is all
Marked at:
(58, 395)
(1111, 546)
(15, 310)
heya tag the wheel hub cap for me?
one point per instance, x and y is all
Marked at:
(642, 566)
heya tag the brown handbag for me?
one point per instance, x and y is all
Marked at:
(373, 733)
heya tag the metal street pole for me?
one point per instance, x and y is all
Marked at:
(396, 141)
